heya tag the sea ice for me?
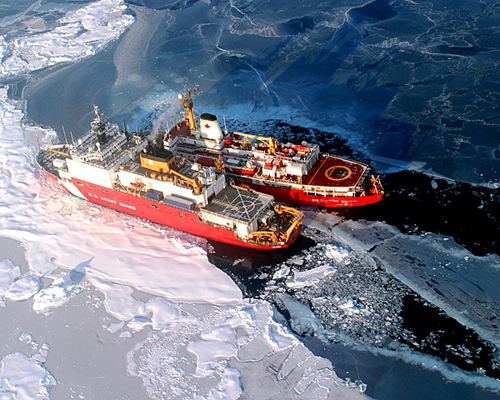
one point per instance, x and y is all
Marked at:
(207, 341)
(223, 352)
(348, 297)
(21, 377)
(310, 276)
(229, 386)
(80, 33)
(165, 314)
(302, 319)
(24, 288)
(449, 276)
(210, 353)
(366, 310)
(118, 299)
(8, 272)
(56, 294)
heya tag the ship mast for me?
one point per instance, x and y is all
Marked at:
(187, 103)
(98, 126)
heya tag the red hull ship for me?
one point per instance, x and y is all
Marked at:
(125, 172)
(291, 173)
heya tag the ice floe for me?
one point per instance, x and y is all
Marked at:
(24, 288)
(226, 351)
(22, 377)
(58, 292)
(311, 276)
(203, 339)
(8, 271)
(80, 33)
(361, 302)
(449, 276)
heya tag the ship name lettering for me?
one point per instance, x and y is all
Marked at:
(127, 206)
(108, 200)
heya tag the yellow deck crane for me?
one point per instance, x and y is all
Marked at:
(187, 103)
(166, 166)
(271, 143)
(270, 236)
(297, 220)
(58, 152)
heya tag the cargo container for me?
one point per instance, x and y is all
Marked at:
(155, 194)
(180, 202)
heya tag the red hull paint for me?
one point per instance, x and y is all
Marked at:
(286, 195)
(160, 213)
(51, 176)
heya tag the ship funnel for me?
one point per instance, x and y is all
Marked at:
(209, 127)
(125, 131)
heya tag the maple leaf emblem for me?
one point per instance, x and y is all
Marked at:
(207, 126)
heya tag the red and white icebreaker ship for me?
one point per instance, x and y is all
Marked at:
(291, 173)
(128, 173)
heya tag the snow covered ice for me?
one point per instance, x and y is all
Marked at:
(80, 33)
(234, 347)
(24, 288)
(22, 377)
(214, 341)
(99, 306)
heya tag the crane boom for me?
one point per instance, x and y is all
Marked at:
(58, 152)
(272, 143)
